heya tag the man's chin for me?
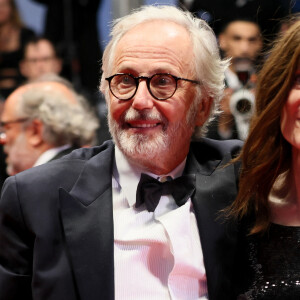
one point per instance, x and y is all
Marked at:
(140, 146)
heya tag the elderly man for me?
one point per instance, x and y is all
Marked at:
(42, 121)
(137, 218)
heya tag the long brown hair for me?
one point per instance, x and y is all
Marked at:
(266, 154)
(15, 16)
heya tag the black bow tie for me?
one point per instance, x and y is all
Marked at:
(150, 190)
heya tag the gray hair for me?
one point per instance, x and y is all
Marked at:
(64, 122)
(208, 65)
(53, 77)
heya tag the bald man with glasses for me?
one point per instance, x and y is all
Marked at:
(139, 216)
(42, 121)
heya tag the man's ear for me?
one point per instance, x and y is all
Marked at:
(23, 68)
(203, 111)
(57, 65)
(35, 133)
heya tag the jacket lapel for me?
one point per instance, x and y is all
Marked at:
(87, 220)
(215, 189)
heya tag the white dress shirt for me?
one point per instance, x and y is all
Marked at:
(157, 254)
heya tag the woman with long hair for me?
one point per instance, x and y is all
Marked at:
(270, 176)
(13, 36)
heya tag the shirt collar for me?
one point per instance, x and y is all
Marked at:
(49, 154)
(128, 176)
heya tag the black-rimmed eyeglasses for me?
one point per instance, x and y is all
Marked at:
(21, 120)
(161, 86)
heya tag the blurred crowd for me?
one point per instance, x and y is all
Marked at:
(197, 195)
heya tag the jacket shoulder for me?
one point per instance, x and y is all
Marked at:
(64, 171)
(210, 149)
(87, 153)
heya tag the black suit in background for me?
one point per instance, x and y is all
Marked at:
(3, 174)
(56, 225)
(85, 52)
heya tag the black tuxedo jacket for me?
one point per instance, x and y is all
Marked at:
(56, 224)
(64, 152)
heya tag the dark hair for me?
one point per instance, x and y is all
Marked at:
(289, 20)
(15, 16)
(34, 40)
(231, 20)
(266, 154)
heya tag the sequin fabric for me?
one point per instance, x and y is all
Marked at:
(275, 260)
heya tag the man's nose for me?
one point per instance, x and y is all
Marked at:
(40, 63)
(142, 98)
(2, 138)
(244, 47)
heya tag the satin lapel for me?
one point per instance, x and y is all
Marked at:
(87, 220)
(215, 189)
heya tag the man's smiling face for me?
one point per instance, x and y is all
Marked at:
(145, 129)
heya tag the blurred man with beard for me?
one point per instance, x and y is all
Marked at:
(42, 121)
(137, 217)
(241, 41)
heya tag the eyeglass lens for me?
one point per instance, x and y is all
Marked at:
(161, 86)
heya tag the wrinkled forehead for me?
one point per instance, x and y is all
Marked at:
(156, 37)
(11, 104)
(167, 29)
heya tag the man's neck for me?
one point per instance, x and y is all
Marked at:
(158, 166)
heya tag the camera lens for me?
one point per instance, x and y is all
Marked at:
(243, 106)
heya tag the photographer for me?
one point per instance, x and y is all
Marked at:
(241, 41)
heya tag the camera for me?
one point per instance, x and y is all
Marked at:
(242, 101)
(242, 108)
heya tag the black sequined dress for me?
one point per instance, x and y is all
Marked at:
(275, 262)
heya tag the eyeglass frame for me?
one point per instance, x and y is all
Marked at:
(3, 124)
(148, 79)
(41, 59)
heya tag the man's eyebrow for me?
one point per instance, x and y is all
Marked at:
(236, 36)
(128, 69)
(254, 38)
